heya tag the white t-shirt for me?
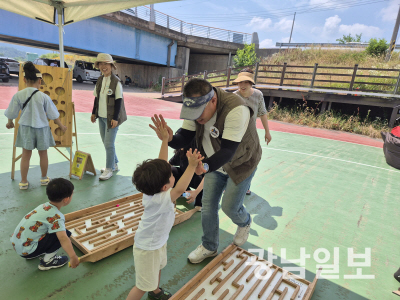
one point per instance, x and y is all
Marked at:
(105, 86)
(156, 223)
(235, 127)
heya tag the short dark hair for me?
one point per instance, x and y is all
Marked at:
(248, 70)
(150, 176)
(196, 86)
(59, 189)
(30, 72)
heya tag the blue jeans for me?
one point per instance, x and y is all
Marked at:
(108, 137)
(232, 205)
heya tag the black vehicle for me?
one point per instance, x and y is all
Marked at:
(4, 71)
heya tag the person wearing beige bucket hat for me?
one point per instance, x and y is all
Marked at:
(109, 108)
(254, 98)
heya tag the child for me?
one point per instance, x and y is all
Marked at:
(180, 163)
(155, 180)
(34, 130)
(42, 231)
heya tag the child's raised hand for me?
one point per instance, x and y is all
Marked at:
(164, 133)
(159, 122)
(194, 157)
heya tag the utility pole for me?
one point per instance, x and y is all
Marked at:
(294, 17)
(394, 36)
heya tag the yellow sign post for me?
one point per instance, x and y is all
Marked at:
(82, 162)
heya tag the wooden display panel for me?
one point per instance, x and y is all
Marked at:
(230, 277)
(59, 88)
(104, 229)
(81, 164)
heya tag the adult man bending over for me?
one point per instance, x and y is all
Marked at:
(229, 142)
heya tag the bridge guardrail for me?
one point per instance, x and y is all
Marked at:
(144, 12)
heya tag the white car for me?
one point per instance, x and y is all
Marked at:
(13, 65)
(85, 71)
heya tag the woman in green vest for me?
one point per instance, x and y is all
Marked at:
(109, 108)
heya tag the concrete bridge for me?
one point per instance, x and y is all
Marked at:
(146, 44)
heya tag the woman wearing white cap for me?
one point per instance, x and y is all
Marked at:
(109, 108)
(253, 97)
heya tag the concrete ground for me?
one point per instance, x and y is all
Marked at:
(313, 189)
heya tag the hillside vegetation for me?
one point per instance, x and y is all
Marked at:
(305, 115)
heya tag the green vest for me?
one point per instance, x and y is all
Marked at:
(248, 154)
(110, 101)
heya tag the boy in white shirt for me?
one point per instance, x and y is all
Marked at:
(155, 180)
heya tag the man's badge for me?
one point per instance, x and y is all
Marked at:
(214, 132)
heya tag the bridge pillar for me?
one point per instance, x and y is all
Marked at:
(182, 59)
(254, 40)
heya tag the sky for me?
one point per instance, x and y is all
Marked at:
(316, 20)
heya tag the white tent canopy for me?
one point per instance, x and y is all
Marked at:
(68, 11)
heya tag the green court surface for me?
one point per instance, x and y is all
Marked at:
(308, 192)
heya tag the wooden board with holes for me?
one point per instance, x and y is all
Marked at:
(59, 88)
(104, 229)
(241, 275)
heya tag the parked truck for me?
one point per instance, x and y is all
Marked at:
(85, 71)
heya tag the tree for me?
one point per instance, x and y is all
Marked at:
(376, 47)
(246, 56)
(349, 39)
(49, 55)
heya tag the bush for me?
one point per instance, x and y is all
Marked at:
(246, 56)
(376, 47)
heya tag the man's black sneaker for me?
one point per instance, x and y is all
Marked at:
(56, 262)
(163, 295)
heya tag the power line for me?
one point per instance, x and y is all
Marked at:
(313, 9)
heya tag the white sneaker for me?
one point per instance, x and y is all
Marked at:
(114, 169)
(106, 174)
(241, 235)
(200, 254)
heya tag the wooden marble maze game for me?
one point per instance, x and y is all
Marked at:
(228, 277)
(104, 229)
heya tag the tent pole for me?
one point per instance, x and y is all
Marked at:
(61, 37)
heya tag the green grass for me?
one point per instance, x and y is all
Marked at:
(303, 115)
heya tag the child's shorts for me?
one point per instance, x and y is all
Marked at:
(148, 264)
(31, 138)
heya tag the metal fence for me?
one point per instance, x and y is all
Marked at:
(144, 12)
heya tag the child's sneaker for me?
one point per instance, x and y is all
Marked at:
(23, 186)
(56, 262)
(45, 181)
(160, 296)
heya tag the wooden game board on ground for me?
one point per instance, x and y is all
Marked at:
(228, 277)
(104, 229)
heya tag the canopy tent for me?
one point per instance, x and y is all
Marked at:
(68, 11)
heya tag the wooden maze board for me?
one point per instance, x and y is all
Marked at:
(59, 88)
(107, 228)
(227, 277)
